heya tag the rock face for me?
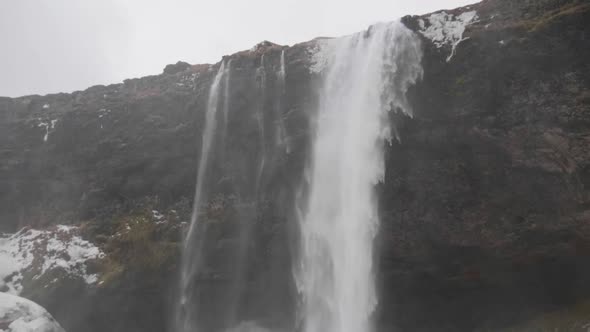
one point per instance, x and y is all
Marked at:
(485, 205)
(486, 198)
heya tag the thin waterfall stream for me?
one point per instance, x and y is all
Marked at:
(186, 311)
(281, 136)
(261, 80)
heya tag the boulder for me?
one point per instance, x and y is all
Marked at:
(18, 314)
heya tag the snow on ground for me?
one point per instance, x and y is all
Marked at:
(102, 112)
(34, 253)
(447, 29)
(49, 127)
(160, 218)
(188, 81)
(21, 315)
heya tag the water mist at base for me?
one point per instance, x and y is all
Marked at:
(368, 74)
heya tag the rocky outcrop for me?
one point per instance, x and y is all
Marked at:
(484, 208)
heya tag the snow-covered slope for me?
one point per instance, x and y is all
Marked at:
(447, 29)
(21, 315)
(33, 253)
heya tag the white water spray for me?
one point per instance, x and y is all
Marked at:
(192, 254)
(368, 74)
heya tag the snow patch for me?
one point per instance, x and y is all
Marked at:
(158, 217)
(21, 315)
(33, 252)
(188, 81)
(49, 127)
(46, 126)
(447, 29)
(102, 112)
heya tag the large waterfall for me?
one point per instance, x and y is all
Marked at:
(365, 77)
(368, 75)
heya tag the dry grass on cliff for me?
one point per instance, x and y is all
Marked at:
(554, 15)
(573, 319)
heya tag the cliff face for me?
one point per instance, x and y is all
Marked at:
(486, 198)
(484, 208)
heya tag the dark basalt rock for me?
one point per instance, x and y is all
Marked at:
(485, 207)
(176, 68)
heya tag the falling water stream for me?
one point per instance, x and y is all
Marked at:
(261, 78)
(368, 73)
(281, 136)
(226, 94)
(367, 76)
(186, 320)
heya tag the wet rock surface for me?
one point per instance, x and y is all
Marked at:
(485, 202)
(484, 207)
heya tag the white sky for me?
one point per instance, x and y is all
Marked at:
(49, 46)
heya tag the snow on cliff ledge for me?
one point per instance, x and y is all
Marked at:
(30, 254)
(447, 29)
(21, 315)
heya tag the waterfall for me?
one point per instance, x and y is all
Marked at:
(226, 94)
(368, 74)
(282, 72)
(261, 79)
(192, 251)
(281, 137)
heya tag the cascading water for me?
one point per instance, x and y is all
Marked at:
(281, 137)
(368, 74)
(192, 253)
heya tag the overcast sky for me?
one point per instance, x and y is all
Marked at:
(49, 46)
